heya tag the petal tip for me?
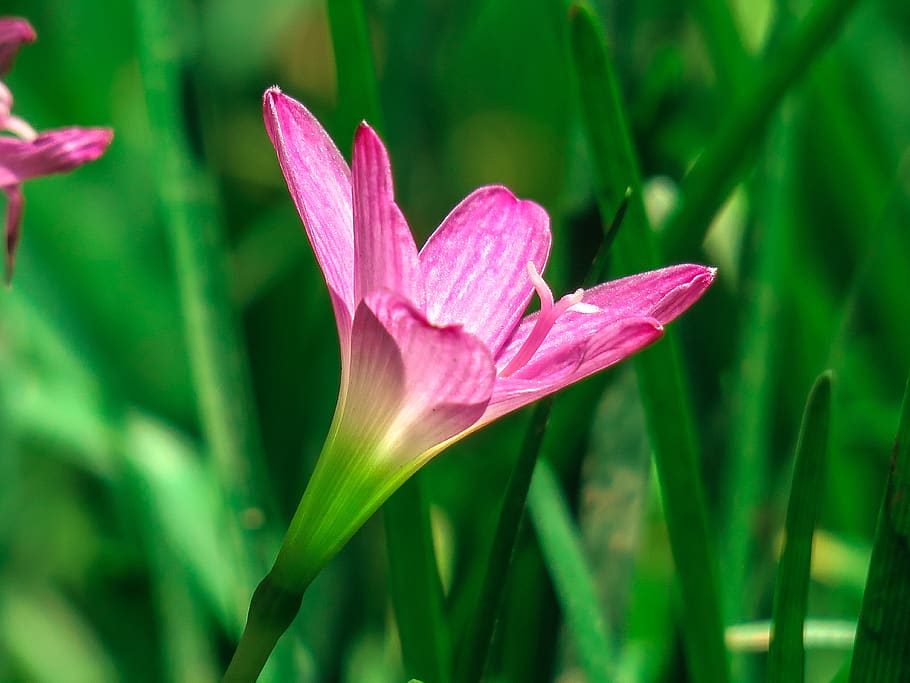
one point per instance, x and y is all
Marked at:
(365, 133)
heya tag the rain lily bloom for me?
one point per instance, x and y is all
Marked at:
(435, 343)
(27, 154)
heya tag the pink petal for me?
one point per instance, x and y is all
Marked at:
(14, 204)
(13, 33)
(385, 255)
(412, 385)
(573, 362)
(56, 151)
(320, 183)
(660, 294)
(475, 264)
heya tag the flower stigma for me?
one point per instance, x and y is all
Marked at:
(546, 318)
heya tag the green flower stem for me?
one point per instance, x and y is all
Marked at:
(786, 654)
(272, 610)
(661, 381)
(343, 491)
(720, 166)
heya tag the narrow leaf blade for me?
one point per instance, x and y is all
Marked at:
(881, 653)
(786, 656)
(560, 543)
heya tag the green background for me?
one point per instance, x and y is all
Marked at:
(114, 560)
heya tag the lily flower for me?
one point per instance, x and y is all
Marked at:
(28, 154)
(435, 343)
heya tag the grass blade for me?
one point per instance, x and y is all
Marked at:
(414, 585)
(662, 385)
(881, 653)
(474, 651)
(786, 656)
(191, 219)
(720, 166)
(561, 546)
(728, 54)
(358, 92)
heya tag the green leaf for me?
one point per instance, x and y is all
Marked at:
(191, 220)
(786, 656)
(358, 93)
(881, 653)
(720, 166)
(661, 381)
(561, 546)
(414, 584)
(474, 651)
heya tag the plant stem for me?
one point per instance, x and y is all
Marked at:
(272, 610)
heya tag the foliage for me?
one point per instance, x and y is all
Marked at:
(131, 549)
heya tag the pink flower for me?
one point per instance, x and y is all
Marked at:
(434, 343)
(27, 154)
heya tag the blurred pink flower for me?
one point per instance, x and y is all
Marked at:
(27, 154)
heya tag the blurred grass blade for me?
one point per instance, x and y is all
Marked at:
(216, 351)
(600, 266)
(818, 634)
(746, 476)
(358, 92)
(415, 588)
(881, 653)
(728, 55)
(47, 638)
(474, 651)
(664, 393)
(561, 546)
(786, 654)
(720, 166)
(414, 585)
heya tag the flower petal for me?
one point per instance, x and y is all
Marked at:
(385, 255)
(55, 151)
(14, 204)
(320, 183)
(475, 264)
(441, 386)
(13, 33)
(661, 294)
(607, 346)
